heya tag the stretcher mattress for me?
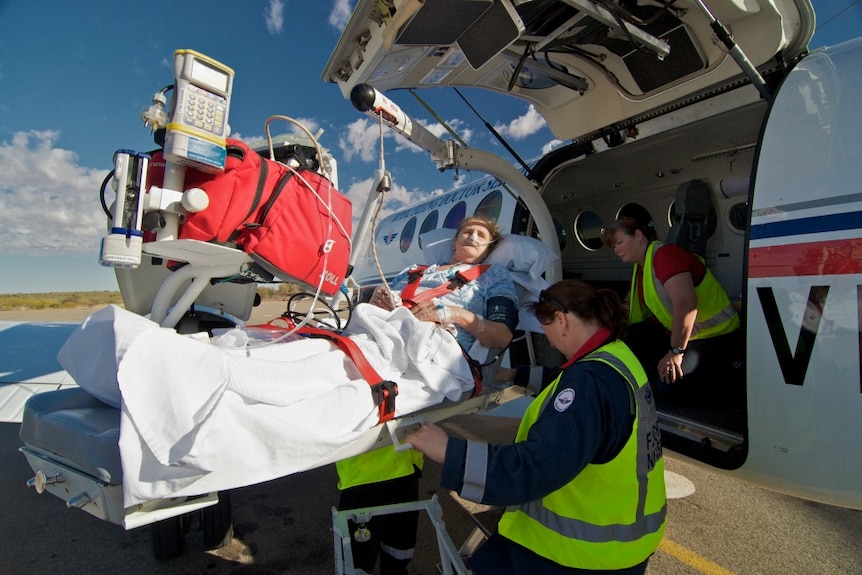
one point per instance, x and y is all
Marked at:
(196, 418)
(76, 428)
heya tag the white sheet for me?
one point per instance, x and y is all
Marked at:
(197, 418)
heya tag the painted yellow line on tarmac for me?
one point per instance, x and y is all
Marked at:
(691, 558)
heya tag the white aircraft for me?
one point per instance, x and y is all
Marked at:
(712, 117)
(656, 113)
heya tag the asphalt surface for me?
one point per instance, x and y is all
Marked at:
(720, 526)
(724, 526)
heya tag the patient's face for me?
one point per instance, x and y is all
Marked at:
(471, 244)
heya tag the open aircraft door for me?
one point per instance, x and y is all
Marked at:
(804, 285)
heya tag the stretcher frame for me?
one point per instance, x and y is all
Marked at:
(451, 561)
(104, 499)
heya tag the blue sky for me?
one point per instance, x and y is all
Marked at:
(74, 77)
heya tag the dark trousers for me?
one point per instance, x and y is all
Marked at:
(392, 537)
(709, 366)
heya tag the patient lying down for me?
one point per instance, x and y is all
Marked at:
(197, 418)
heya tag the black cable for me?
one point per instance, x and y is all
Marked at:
(848, 7)
(518, 67)
(497, 135)
(102, 195)
(296, 316)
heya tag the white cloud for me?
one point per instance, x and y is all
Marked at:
(360, 140)
(395, 199)
(48, 203)
(438, 130)
(523, 126)
(552, 145)
(340, 14)
(274, 16)
(309, 124)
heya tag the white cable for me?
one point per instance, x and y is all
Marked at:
(297, 124)
(377, 214)
(330, 212)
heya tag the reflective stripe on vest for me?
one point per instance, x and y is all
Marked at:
(604, 518)
(715, 314)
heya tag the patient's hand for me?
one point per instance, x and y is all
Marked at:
(430, 440)
(382, 298)
(428, 311)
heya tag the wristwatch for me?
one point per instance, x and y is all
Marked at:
(677, 350)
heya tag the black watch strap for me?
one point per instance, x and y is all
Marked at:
(677, 350)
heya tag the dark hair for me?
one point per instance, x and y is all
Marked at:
(602, 305)
(631, 218)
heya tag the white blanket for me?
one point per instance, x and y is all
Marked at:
(197, 418)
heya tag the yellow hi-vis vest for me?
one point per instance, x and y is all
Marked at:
(715, 314)
(376, 466)
(611, 515)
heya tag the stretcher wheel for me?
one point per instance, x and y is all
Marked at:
(217, 522)
(167, 538)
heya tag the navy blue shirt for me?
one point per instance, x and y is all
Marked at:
(593, 429)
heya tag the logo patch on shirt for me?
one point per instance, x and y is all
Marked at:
(564, 399)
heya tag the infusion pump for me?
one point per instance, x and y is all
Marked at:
(198, 124)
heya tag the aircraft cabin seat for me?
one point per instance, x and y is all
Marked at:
(693, 208)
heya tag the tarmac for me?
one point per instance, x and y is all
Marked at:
(717, 524)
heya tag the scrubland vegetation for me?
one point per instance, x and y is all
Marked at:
(88, 299)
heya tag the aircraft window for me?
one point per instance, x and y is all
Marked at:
(588, 230)
(407, 234)
(633, 209)
(428, 224)
(455, 215)
(739, 216)
(529, 78)
(561, 234)
(636, 210)
(490, 206)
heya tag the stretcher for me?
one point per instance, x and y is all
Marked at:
(72, 438)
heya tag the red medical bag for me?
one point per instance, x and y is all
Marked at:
(293, 223)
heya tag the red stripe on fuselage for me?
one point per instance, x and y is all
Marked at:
(809, 259)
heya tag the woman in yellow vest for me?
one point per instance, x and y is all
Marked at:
(681, 319)
(583, 483)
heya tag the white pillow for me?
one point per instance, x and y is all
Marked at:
(515, 253)
(522, 254)
(437, 245)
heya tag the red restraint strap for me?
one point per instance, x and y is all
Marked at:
(409, 297)
(384, 391)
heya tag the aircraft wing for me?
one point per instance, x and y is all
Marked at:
(28, 363)
(583, 64)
